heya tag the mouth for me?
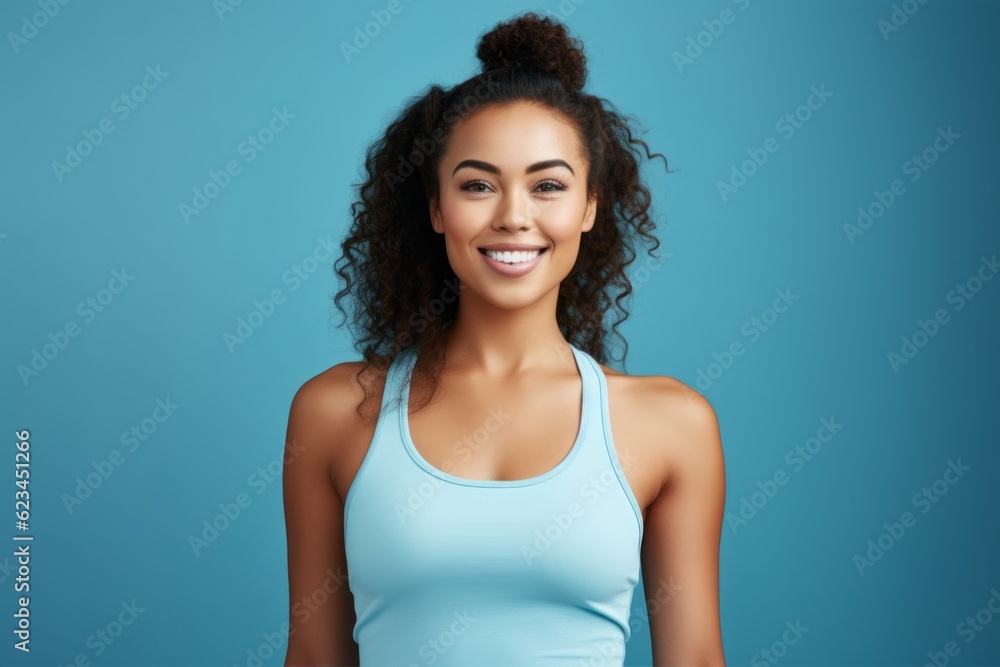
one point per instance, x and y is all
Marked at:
(513, 257)
(512, 264)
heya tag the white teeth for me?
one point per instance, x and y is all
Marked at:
(515, 257)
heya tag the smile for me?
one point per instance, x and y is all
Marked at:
(515, 263)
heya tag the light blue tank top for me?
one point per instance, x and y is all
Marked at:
(453, 571)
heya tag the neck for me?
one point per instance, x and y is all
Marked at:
(499, 342)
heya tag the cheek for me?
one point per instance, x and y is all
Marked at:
(563, 224)
(462, 218)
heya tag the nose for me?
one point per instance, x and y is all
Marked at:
(516, 211)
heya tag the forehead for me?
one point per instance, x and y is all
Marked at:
(519, 133)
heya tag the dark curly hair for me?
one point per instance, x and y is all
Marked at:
(395, 267)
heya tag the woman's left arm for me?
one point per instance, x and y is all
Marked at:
(680, 551)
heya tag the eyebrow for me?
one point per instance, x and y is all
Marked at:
(493, 169)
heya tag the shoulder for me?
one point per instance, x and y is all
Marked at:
(328, 393)
(323, 415)
(682, 424)
(331, 398)
(662, 397)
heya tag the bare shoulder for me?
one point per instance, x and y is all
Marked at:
(662, 398)
(323, 416)
(328, 395)
(677, 425)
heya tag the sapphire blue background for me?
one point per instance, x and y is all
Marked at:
(895, 77)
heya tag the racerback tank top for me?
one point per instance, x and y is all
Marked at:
(447, 570)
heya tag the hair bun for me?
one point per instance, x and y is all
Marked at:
(533, 41)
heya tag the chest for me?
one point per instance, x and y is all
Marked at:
(512, 433)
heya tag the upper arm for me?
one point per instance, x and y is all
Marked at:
(680, 551)
(321, 607)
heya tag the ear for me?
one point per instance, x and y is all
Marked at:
(436, 221)
(590, 215)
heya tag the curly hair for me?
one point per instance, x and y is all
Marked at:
(396, 267)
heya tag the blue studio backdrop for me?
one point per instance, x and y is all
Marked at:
(175, 182)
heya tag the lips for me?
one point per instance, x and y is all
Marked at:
(513, 269)
(507, 252)
(511, 247)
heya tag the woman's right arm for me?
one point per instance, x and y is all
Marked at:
(321, 607)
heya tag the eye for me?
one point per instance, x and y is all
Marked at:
(551, 185)
(473, 186)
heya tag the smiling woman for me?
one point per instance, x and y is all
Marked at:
(476, 198)
(501, 517)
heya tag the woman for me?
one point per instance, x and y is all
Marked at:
(502, 515)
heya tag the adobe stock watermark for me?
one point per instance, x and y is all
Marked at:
(248, 149)
(968, 629)
(231, 511)
(87, 310)
(649, 266)
(665, 592)
(429, 313)
(434, 648)
(960, 295)
(223, 7)
(924, 500)
(900, 14)
(787, 125)
(302, 610)
(31, 24)
(796, 458)
(416, 498)
(752, 330)
(132, 438)
(605, 652)
(778, 649)
(915, 167)
(364, 35)
(122, 107)
(563, 522)
(424, 146)
(698, 43)
(104, 637)
(294, 277)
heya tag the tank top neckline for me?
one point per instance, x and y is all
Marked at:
(589, 395)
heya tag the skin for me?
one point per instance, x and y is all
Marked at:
(505, 342)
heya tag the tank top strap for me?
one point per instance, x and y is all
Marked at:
(602, 449)
(385, 456)
(591, 390)
(593, 455)
(398, 374)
